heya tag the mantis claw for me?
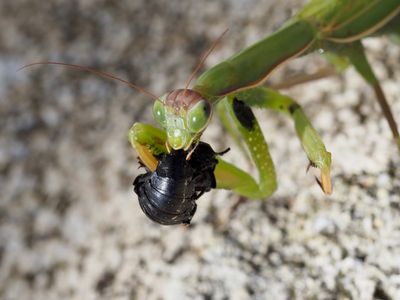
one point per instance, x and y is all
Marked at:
(146, 158)
(310, 164)
(325, 182)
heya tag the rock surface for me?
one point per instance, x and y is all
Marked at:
(70, 225)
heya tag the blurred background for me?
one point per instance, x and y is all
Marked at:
(70, 224)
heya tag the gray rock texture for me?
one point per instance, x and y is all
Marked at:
(70, 224)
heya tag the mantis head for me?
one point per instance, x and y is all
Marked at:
(184, 115)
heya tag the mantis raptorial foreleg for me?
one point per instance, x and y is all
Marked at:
(149, 142)
(242, 124)
(309, 138)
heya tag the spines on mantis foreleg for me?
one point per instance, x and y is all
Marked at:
(253, 64)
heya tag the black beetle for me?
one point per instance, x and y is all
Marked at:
(167, 196)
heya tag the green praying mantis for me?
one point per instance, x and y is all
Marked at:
(233, 86)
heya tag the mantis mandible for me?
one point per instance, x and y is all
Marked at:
(234, 85)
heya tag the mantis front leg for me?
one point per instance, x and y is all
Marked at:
(243, 125)
(149, 142)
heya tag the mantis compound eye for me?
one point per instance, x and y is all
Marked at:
(198, 116)
(159, 112)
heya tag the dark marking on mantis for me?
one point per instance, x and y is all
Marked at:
(244, 114)
(293, 107)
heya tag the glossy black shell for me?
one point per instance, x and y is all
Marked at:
(167, 196)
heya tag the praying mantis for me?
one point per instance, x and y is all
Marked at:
(233, 86)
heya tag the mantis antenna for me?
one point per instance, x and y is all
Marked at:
(128, 83)
(94, 71)
(203, 58)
